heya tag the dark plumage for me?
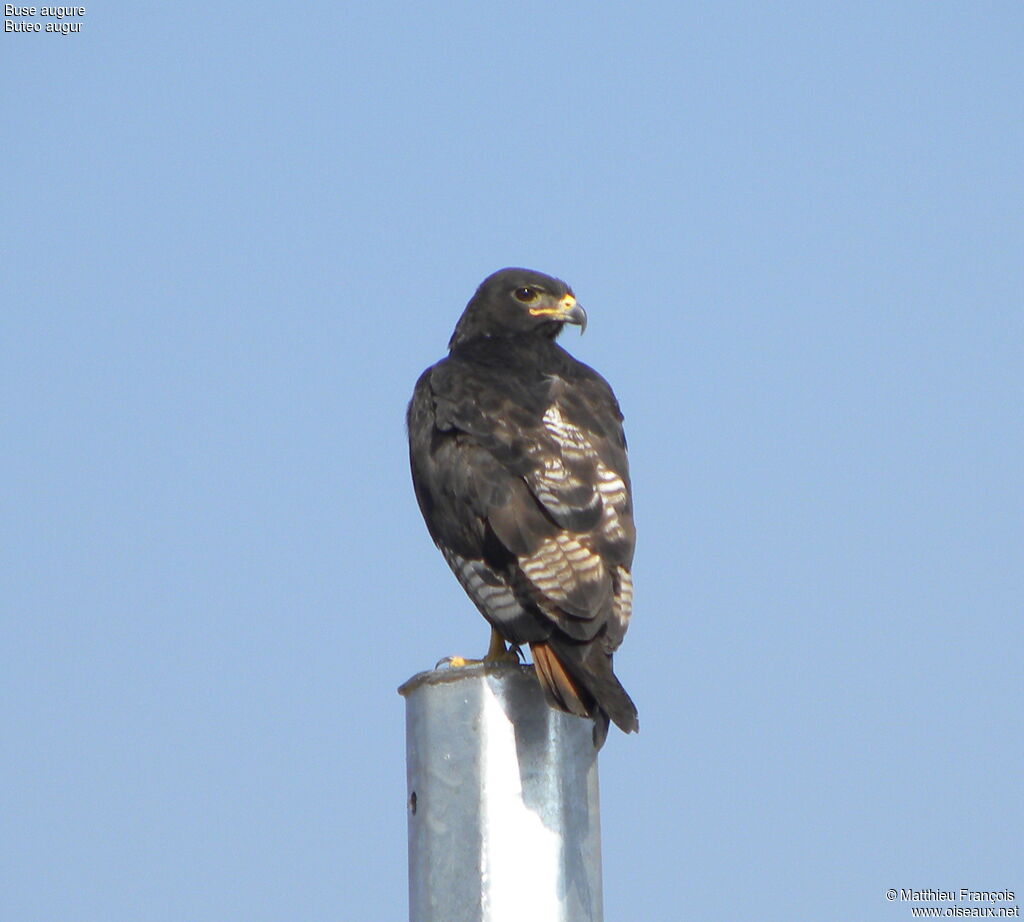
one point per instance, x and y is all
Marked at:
(519, 464)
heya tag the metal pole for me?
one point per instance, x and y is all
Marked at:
(503, 801)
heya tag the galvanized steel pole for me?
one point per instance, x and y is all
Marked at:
(503, 801)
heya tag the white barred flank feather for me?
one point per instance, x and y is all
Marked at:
(492, 596)
(561, 562)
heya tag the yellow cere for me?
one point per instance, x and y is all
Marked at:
(564, 306)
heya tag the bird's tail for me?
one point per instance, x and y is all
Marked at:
(578, 678)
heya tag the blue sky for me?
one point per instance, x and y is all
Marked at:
(234, 235)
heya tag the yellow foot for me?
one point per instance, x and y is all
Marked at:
(497, 652)
(454, 662)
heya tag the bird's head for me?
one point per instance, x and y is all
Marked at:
(515, 301)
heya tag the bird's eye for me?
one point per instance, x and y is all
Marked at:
(526, 295)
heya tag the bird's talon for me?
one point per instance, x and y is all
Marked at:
(455, 662)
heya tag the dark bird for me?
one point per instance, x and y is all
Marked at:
(519, 464)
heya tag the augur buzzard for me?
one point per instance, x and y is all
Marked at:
(519, 464)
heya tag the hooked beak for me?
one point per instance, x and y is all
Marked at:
(566, 311)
